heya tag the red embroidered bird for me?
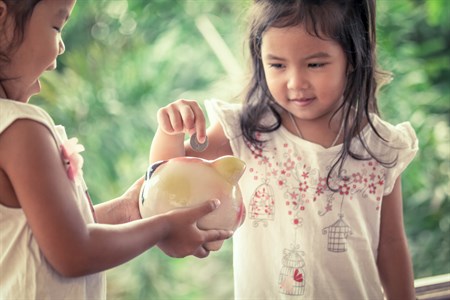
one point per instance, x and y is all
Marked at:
(298, 276)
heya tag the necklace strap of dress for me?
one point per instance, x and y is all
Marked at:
(297, 129)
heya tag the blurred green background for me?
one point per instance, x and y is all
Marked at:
(125, 59)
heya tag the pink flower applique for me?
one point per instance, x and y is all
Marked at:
(70, 150)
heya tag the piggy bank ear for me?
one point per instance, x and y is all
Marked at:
(230, 167)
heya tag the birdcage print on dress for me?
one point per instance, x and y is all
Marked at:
(262, 204)
(337, 235)
(292, 274)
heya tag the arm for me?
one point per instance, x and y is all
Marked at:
(32, 162)
(394, 262)
(186, 117)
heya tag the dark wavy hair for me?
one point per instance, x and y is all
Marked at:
(21, 11)
(351, 23)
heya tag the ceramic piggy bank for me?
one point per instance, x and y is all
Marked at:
(187, 181)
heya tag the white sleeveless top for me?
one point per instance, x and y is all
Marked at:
(301, 239)
(24, 271)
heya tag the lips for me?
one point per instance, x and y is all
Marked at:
(302, 101)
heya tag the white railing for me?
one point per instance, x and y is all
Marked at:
(433, 288)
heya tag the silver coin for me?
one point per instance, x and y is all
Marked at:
(196, 146)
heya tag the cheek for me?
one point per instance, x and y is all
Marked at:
(45, 54)
(275, 82)
(50, 48)
(341, 84)
(333, 86)
(342, 77)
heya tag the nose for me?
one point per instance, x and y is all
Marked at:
(62, 47)
(297, 80)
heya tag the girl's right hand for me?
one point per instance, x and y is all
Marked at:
(184, 237)
(183, 116)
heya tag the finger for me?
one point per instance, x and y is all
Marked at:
(204, 208)
(164, 121)
(217, 235)
(188, 116)
(201, 252)
(200, 124)
(138, 183)
(176, 120)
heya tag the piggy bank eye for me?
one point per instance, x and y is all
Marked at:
(152, 169)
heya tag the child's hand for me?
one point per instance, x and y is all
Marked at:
(131, 197)
(184, 237)
(183, 116)
(122, 209)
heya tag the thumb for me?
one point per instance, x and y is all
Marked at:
(205, 208)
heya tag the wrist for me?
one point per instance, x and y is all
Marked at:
(163, 223)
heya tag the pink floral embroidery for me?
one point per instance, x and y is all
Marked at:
(344, 189)
(303, 186)
(70, 150)
(289, 164)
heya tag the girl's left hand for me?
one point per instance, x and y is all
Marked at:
(183, 116)
(131, 198)
(122, 209)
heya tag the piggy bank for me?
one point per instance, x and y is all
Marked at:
(186, 181)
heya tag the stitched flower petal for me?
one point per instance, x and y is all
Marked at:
(70, 151)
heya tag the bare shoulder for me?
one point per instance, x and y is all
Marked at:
(30, 160)
(21, 145)
(24, 136)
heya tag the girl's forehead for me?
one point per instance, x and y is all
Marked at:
(293, 35)
(57, 11)
(297, 43)
(59, 5)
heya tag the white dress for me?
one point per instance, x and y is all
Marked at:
(301, 239)
(24, 271)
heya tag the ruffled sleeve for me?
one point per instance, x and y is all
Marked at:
(225, 113)
(399, 147)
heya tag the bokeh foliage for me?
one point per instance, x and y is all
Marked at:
(125, 59)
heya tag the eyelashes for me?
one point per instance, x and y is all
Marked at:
(310, 65)
(276, 66)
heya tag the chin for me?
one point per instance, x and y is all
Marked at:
(27, 97)
(34, 90)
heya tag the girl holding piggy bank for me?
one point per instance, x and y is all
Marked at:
(54, 243)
